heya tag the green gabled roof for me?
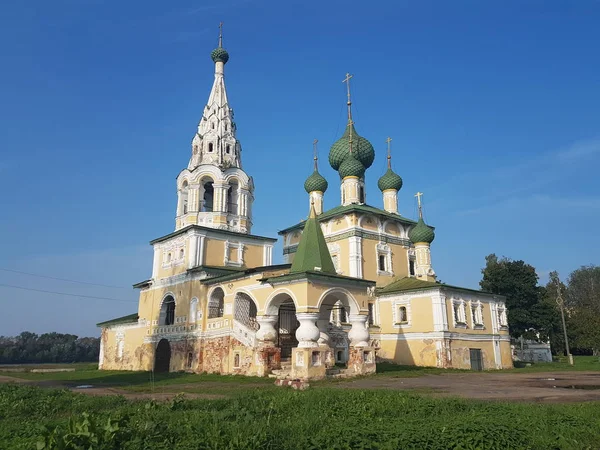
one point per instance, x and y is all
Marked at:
(131, 318)
(340, 210)
(243, 273)
(312, 275)
(413, 284)
(312, 253)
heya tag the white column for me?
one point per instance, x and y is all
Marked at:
(267, 334)
(324, 338)
(156, 262)
(423, 260)
(440, 313)
(193, 252)
(101, 357)
(355, 259)
(307, 333)
(200, 254)
(359, 333)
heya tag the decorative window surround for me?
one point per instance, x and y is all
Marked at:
(334, 251)
(477, 315)
(502, 316)
(240, 254)
(398, 322)
(383, 249)
(459, 313)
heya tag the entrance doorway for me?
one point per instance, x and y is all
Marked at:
(287, 325)
(162, 357)
(476, 359)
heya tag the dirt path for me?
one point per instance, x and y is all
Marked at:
(546, 387)
(560, 387)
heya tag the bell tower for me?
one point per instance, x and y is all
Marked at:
(214, 191)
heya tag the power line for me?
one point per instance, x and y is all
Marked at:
(63, 279)
(67, 294)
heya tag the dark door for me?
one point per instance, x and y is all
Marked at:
(162, 357)
(286, 327)
(476, 359)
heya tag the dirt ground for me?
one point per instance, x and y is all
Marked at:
(546, 387)
(557, 387)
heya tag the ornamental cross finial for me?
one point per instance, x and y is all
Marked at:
(315, 157)
(220, 34)
(347, 81)
(389, 152)
(419, 195)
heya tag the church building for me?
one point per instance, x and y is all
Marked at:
(357, 286)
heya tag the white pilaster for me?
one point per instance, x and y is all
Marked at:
(355, 260)
(390, 201)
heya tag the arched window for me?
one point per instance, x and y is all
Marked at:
(216, 304)
(402, 314)
(228, 149)
(232, 197)
(193, 310)
(411, 267)
(210, 146)
(184, 197)
(195, 149)
(167, 312)
(245, 311)
(226, 130)
(169, 257)
(207, 197)
(181, 253)
(213, 127)
(361, 194)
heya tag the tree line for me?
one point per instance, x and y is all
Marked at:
(534, 309)
(48, 348)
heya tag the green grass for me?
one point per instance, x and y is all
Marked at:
(580, 363)
(321, 418)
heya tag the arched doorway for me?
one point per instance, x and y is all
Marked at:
(287, 324)
(162, 356)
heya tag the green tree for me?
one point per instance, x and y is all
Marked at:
(582, 301)
(528, 315)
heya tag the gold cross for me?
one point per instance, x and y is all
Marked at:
(220, 34)
(389, 150)
(419, 195)
(347, 81)
(315, 152)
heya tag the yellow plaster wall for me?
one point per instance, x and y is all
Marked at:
(409, 352)
(181, 267)
(214, 252)
(253, 255)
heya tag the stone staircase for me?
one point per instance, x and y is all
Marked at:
(285, 371)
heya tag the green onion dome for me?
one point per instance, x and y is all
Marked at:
(316, 182)
(351, 167)
(390, 180)
(360, 146)
(421, 233)
(219, 54)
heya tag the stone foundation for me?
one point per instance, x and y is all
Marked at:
(308, 363)
(361, 360)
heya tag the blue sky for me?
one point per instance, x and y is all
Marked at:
(493, 108)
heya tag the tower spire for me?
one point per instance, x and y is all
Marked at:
(419, 195)
(349, 103)
(315, 157)
(220, 34)
(389, 152)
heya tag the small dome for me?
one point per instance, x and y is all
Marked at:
(360, 146)
(316, 182)
(351, 167)
(390, 180)
(421, 233)
(219, 54)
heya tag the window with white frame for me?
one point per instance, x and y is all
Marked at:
(477, 314)
(334, 251)
(459, 312)
(502, 316)
(402, 313)
(384, 259)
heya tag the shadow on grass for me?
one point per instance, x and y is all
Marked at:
(390, 369)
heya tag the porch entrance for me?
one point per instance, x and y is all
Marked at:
(476, 359)
(162, 356)
(287, 324)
